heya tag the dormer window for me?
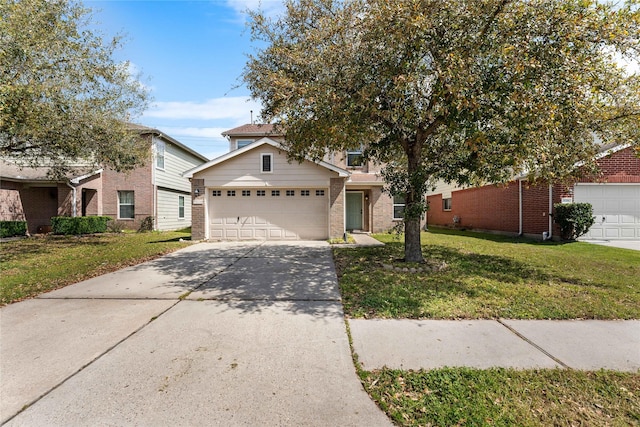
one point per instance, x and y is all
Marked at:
(244, 142)
(355, 159)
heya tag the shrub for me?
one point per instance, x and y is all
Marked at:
(79, 225)
(13, 228)
(146, 225)
(574, 219)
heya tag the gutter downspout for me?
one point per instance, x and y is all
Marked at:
(550, 212)
(520, 224)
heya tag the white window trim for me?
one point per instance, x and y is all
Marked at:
(262, 155)
(393, 209)
(133, 204)
(450, 204)
(181, 198)
(161, 147)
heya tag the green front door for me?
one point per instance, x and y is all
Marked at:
(354, 211)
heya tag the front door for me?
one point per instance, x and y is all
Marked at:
(354, 210)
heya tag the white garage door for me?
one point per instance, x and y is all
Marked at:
(273, 214)
(616, 208)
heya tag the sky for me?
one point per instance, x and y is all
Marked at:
(190, 55)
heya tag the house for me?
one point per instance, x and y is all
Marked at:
(518, 208)
(156, 189)
(255, 192)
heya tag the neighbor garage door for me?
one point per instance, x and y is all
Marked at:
(273, 214)
(616, 208)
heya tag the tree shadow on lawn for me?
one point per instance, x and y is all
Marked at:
(498, 237)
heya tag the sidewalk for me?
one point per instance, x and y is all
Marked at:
(521, 344)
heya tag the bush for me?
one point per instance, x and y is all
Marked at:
(115, 226)
(574, 219)
(13, 228)
(146, 225)
(79, 225)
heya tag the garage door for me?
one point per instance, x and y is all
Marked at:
(616, 208)
(273, 214)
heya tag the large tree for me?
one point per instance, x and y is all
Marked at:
(460, 90)
(63, 96)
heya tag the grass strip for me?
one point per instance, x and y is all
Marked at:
(506, 397)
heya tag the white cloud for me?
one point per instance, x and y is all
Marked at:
(270, 8)
(234, 108)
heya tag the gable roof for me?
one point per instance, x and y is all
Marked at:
(253, 129)
(144, 130)
(263, 141)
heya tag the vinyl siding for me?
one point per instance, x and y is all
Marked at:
(168, 211)
(176, 162)
(244, 171)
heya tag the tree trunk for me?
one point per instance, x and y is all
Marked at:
(412, 244)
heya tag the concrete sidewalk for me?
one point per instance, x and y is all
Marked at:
(215, 334)
(521, 344)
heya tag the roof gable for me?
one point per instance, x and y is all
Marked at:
(253, 146)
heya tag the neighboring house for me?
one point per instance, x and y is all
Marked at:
(156, 189)
(255, 192)
(519, 209)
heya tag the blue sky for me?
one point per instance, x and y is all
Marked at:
(191, 55)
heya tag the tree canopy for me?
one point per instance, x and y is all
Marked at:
(63, 96)
(465, 91)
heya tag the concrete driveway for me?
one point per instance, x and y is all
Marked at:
(214, 334)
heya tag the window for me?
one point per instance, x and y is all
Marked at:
(244, 142)
(246, 193)
(275, 193)
(291, 192)
(126, 206)
(216, 193)
(261, 193)
(266, 161)
(231, 193)
(160, 154)
(398, 207)
(446, 204)
(319, 192)
(180, 207)
(304, 192)
(354, 159)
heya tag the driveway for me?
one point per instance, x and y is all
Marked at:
(623, 244)
(214, 334)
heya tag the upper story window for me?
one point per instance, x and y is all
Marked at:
(355, 159)
(160, 147)
(243, 142)
(266, 163)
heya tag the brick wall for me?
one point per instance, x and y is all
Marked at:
(336, 208)
(198, 217)
(138, 181)
(620, 167)
(382, 211)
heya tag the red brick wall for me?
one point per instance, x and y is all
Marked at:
(496, 208)
(620, 167)
(138, 181)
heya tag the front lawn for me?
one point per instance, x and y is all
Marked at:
(473, 275)
(506, 397)
(29, 267)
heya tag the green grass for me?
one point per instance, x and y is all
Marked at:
(490, 276)
(32, 266)
(506, 397)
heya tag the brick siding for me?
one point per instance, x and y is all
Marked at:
(336, 208)
(198, 216)
(496, 208)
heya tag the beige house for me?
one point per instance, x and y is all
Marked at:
(255, 193)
